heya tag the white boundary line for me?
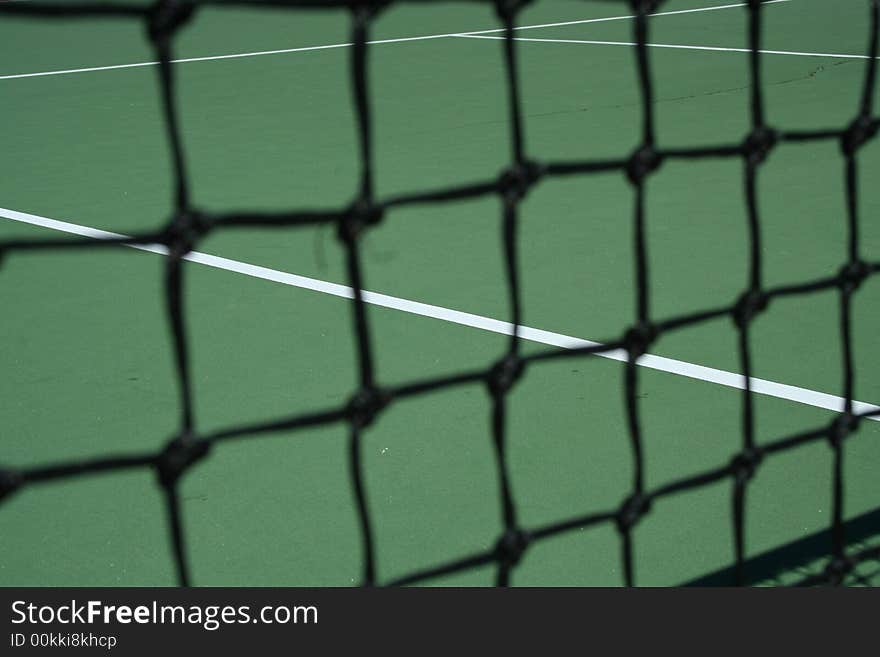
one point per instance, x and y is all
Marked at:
(467, 35)
(661, 363)
(381, 41)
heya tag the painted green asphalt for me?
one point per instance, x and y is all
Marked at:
(86, 365)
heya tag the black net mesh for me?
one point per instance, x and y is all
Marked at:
(839, 555)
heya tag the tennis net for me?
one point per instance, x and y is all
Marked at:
(839, 551)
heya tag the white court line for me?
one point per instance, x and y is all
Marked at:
(622, 18)
(467, 35)
(216, 57)
(661, 363)
(348, 45)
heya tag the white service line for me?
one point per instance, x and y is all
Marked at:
(262, 53)
(217, 57)
(661, 363)
(607, 19)
(467, 35)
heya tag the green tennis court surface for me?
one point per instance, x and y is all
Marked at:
(86, 362)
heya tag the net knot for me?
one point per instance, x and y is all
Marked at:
(511, 546)
(504, 374)
(360, 215)
(645, 6)
(181, 453)
(368, 8)
(642, 163)
(749, 306)
(852, 275)
(184, 231)
(365, 406)
(841, 427)
(10, 481)
(858, 133)
(168, 16)
(509, 8)
(759, 143)
(837, 569)
(632, 510)
(744, 464)
(516, 181)
(639, 339)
